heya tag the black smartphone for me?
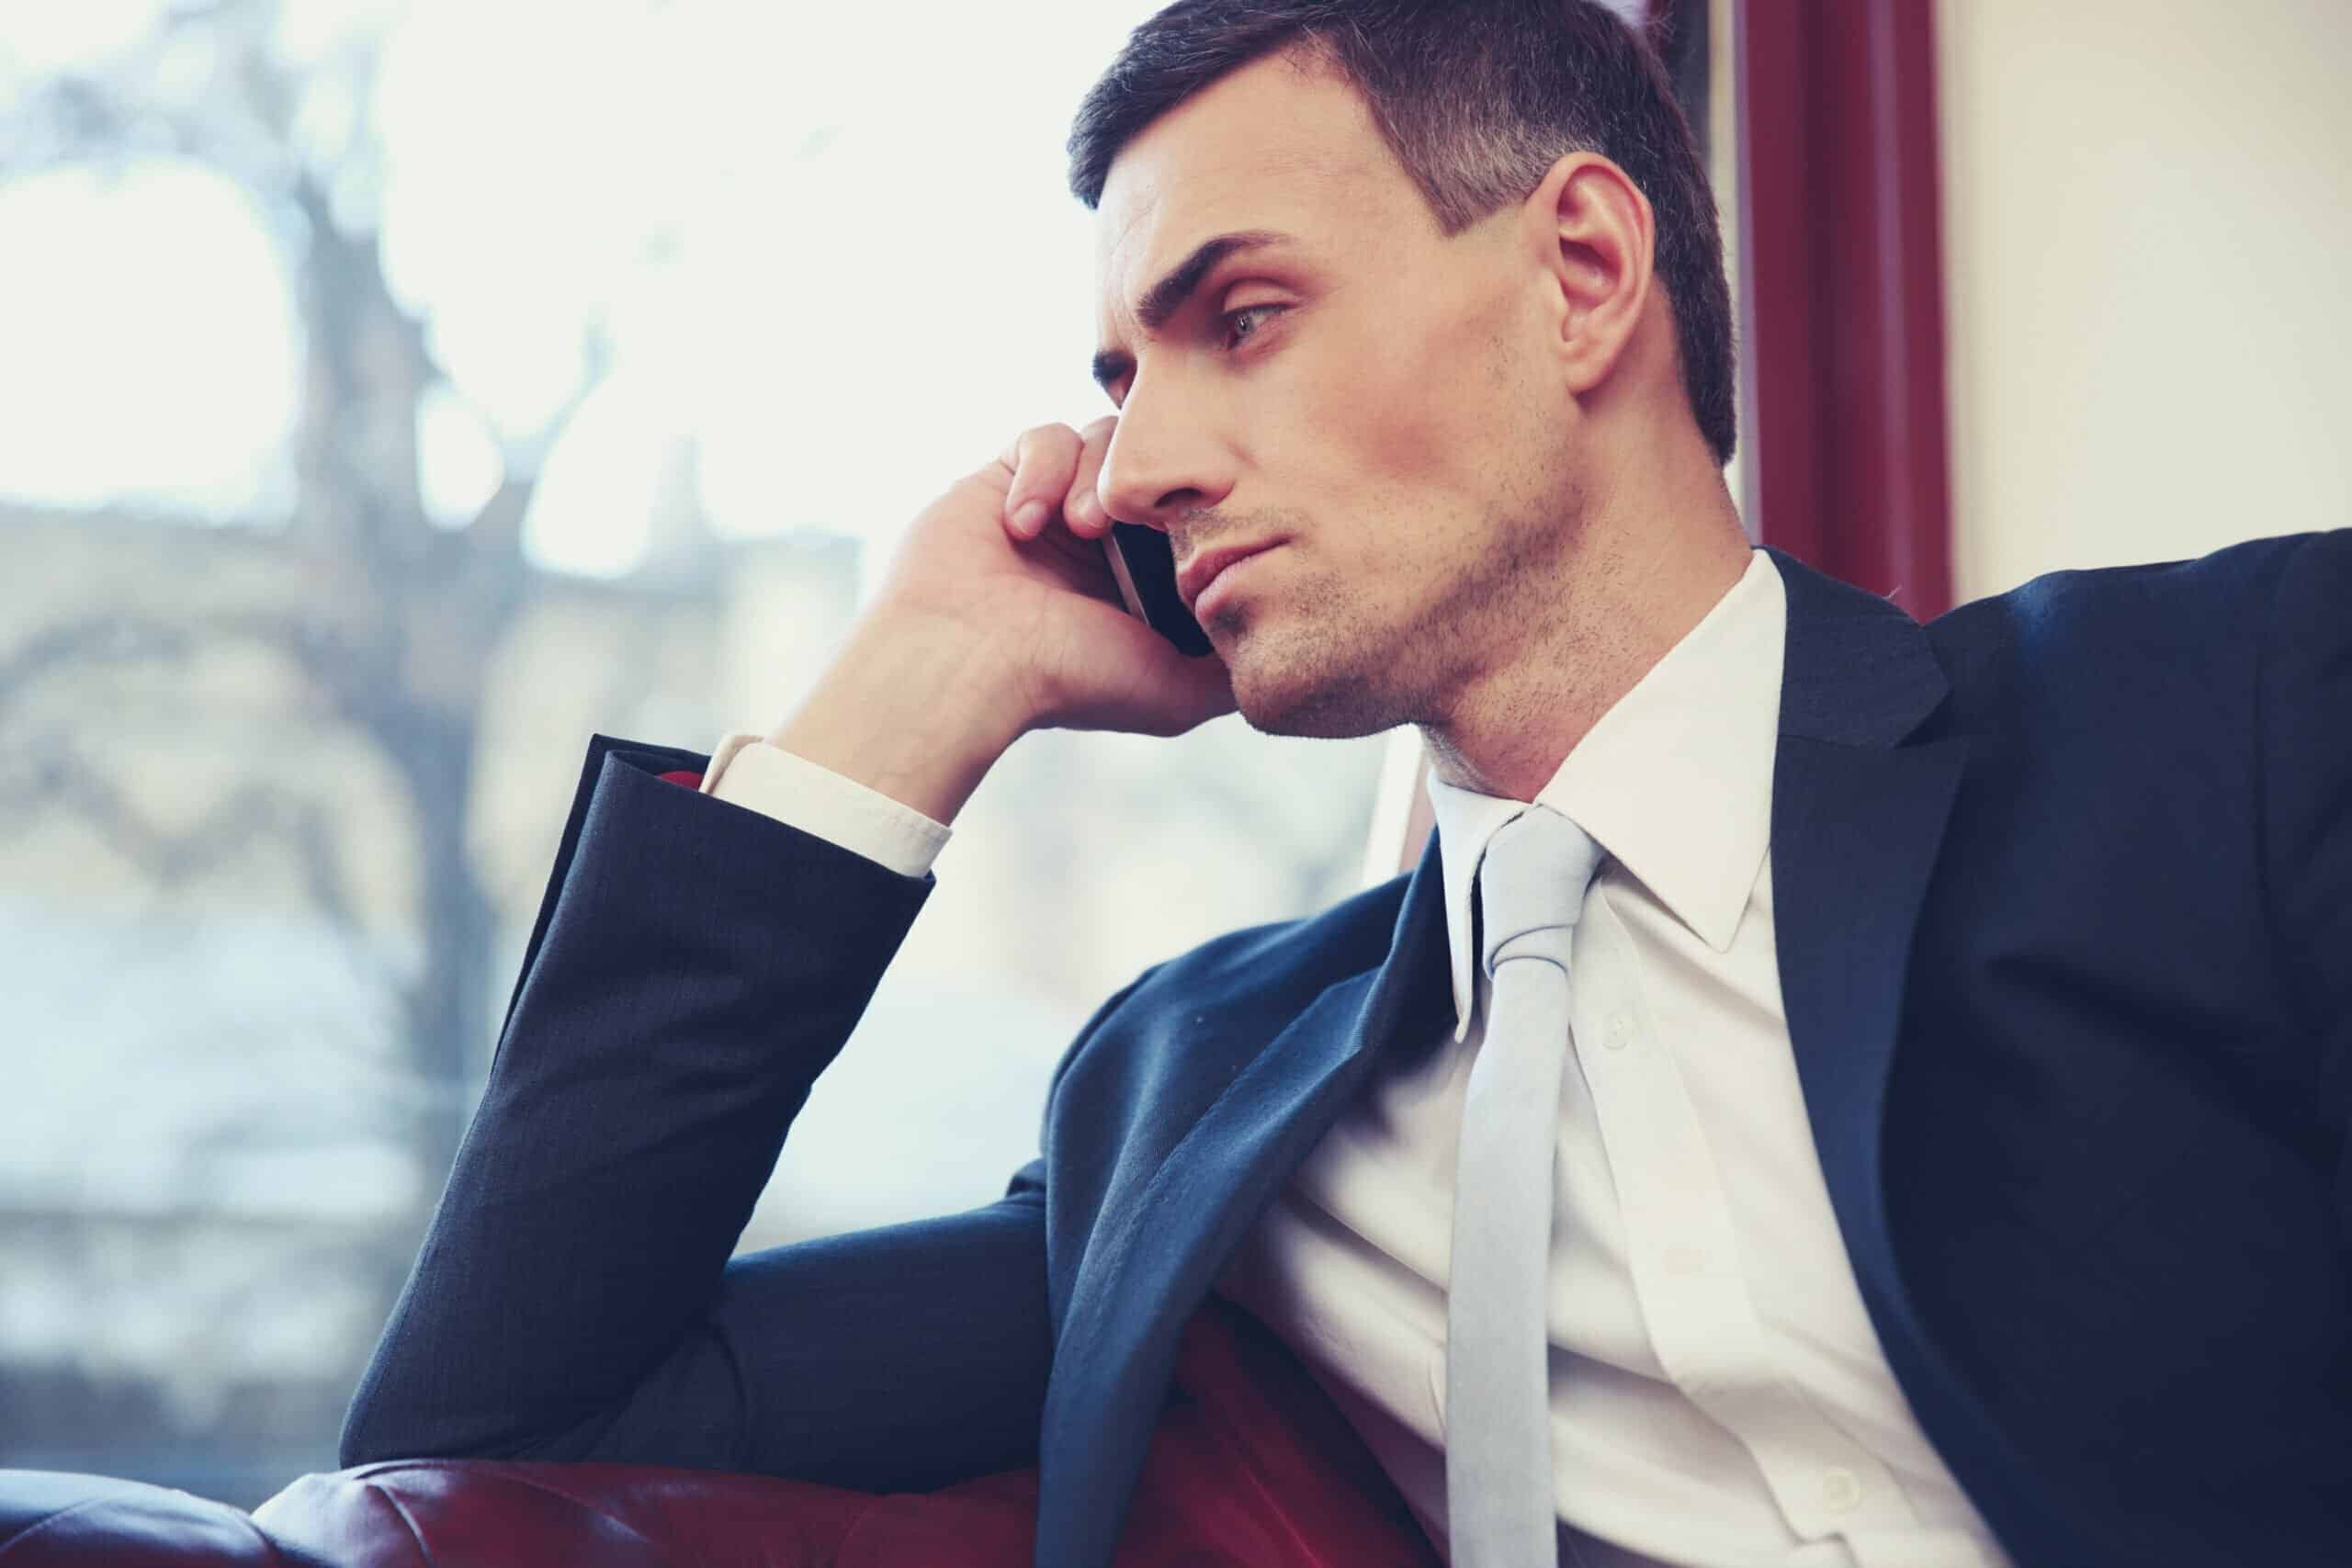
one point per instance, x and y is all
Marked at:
(1144, 564)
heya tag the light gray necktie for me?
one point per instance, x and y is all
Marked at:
(1499, 1502)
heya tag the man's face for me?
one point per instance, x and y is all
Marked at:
(1383, 415)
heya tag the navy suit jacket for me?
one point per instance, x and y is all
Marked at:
(2063, 885)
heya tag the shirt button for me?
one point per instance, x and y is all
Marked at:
(1686, 1260)
(1842, 1490)
(1621, 1031)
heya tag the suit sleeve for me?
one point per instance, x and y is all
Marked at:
(2305, 719)
(694, 966)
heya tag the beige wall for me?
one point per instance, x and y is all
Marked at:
(2147, 238)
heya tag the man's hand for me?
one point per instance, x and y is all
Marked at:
(994, 619)
(1011, 556)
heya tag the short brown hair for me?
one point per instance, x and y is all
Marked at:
(1478, 98)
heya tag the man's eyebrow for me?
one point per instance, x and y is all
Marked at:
(1164, 298)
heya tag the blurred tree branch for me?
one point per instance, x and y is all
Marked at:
(73, 645)
(397, 618)
(250, 814)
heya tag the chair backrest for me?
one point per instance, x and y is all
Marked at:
(1401, 819)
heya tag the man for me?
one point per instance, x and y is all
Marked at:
(1952, 1075)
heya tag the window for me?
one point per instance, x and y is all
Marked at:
(396, 395)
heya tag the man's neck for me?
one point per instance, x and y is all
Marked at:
(1636, 593)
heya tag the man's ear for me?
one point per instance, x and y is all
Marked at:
(1598, 238)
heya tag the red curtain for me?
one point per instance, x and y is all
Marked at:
(1842, 285)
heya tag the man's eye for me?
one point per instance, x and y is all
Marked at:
(1232, 316)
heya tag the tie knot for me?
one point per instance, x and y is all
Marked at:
(1531, 886)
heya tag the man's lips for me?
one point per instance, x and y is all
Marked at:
(1196, 574)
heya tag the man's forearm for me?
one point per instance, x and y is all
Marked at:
(700, 970)
(906, 711)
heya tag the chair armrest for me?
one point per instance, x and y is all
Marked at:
(1250, 1462)
(57, 1519)
(415, 1513)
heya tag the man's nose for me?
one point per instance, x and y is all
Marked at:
(1153, 477)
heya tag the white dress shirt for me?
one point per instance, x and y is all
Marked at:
(1718, 1394)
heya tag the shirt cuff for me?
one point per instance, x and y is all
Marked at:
(747, 771)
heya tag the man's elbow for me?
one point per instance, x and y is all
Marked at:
(377, 1429)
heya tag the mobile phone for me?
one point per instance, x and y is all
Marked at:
(1144, 564)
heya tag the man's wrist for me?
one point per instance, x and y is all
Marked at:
(908, 712)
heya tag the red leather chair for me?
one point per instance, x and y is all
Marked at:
(1252, 1464)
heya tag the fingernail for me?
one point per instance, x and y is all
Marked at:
(1030, 518)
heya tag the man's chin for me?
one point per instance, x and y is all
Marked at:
(1289, 696)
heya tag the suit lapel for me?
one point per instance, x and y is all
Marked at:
(1855, 831)
(1858, 818)
(1859, 813)
(1160, 1244)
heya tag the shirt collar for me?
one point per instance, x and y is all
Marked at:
(1675, 781)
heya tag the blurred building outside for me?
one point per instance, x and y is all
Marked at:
(214, 1176)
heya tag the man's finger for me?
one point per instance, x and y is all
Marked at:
(1043, 459)
(1083, 505)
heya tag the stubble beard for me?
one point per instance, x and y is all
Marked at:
(1321, 665)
